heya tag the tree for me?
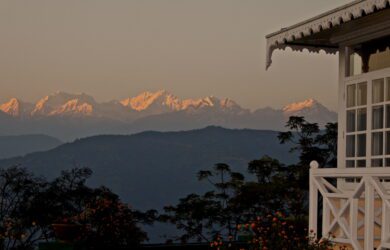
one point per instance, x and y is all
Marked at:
(311, 143)
(29, 206)
(110, 223)
(270, 191)
(277, 187)
(203, 217)
(18, 227)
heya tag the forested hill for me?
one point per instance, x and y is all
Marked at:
(153, 169)
(17, 145)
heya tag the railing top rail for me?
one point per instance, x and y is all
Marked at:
(350, 172)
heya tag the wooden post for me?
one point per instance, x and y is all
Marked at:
(313, 200)
(369, 215)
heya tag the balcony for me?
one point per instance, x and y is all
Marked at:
(358, 216)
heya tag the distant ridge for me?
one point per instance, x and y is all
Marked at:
(20, 145)
(69, 116)
(128, 164)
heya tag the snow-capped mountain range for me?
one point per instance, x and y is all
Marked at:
(146, 103)
(81, 115)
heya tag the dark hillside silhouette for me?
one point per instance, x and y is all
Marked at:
(154, 169)
(11, 146)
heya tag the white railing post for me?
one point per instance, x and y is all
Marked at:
(353, 217)
(369, 215)
(313, 199)
(325, 219)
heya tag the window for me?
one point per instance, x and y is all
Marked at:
(362, 94)
(351, 117)
(361, 164)
(351, 146)
(376, 163)
(361, 145)
(377, 117)
(377, 143)
(362, 119)
(377, 90)
(351, 89)
(356, 125)
(367, 121)
(380, 122)
(387, 143)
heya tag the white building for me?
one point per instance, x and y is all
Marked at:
(356, 207)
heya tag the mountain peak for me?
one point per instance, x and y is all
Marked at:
(12, 107)
(61, 103)
(146, 99)
(298, 106)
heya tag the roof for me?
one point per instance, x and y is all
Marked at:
(312, 34)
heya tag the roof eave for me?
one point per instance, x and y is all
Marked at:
(287, 37)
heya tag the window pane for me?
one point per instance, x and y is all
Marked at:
(387, 116)
(376, 163)
(377, 90)
(388, 90)
(351, 120)
(361, 163)
(350, 164)
(377, 143)
(350, 145)
(362, 93)
(387, 162)
(388, 142)
(377, 117)
(361, 145)
(361, 119)
(351, 95)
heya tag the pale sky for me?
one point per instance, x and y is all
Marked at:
(112, 49)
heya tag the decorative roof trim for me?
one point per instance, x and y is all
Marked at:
(327, 20)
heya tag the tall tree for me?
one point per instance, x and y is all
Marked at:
(203, 217)
(312, 143)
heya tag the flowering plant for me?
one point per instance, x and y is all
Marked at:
(275, 231)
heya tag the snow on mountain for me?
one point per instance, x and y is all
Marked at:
(12, 107)
(68, 116)
(61, 103)
(161, 101)
(299, 106)
(15, 107)
(153, 103)
(149, 103)
(311, 110)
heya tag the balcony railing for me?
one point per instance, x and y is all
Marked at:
(357, 214)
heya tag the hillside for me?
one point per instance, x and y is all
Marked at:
(152, 169)
(11, 146)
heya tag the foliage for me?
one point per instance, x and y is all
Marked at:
(18, 226)
(275, 231)
(311, 143)
(30, 205)
(108, 222)
(215, 212)
(271, 186)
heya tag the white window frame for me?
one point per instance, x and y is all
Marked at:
(346, 81)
